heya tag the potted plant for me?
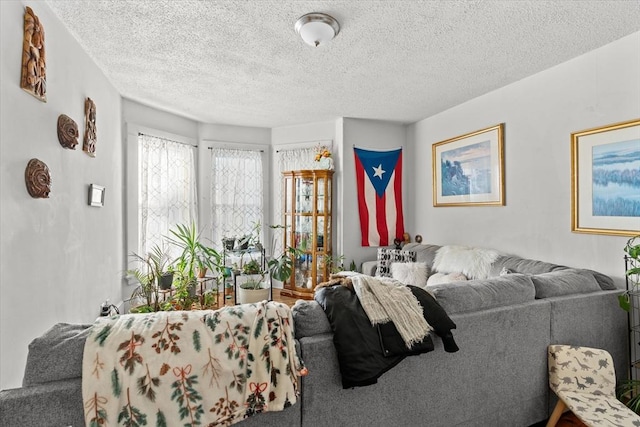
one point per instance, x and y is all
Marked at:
(252, 289)
(334, 264)
(194, 260)
(255, 235)
(228, 243)
(166, 279)
(149, 275)
(632, 273)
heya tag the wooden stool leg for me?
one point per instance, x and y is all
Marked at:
(557, 413)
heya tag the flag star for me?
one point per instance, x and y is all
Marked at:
(378, 171)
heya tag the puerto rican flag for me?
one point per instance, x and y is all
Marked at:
(379, 182)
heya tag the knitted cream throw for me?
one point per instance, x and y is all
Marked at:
(384, 299)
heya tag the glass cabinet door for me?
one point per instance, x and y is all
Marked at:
(307, 216)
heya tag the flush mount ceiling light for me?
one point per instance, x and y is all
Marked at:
(317, 28)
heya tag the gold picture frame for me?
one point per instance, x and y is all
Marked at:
(605, 190)
(468, 170)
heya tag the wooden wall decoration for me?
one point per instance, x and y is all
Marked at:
(67, 132)
(34, 60)
(90, 137)
(38, 179)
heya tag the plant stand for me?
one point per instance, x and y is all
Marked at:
(633, 320)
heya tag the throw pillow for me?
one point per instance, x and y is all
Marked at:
(410, 273)
(387, 256)
(439, 278)
(474, 263)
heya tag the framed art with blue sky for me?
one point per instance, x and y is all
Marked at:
(605, 180)
(468, 170)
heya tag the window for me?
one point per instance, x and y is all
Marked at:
(288, 160)
(236, 192)
(167, 188)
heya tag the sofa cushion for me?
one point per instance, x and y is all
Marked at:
(517, 264)
(606, 283)
(309, 319)
(564, 282)
(439, 278)
(476, 295)
(387, 256)
(424, 253)
(410, 273)
(56, 355)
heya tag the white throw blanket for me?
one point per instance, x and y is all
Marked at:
(384, 299)
(188, 368)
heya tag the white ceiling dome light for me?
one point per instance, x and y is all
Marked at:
(317, 29)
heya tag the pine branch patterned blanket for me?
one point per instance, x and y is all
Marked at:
(190, 368)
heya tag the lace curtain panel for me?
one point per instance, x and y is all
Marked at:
(236, 193)
(289, 160)
(167, 187)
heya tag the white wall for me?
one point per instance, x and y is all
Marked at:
(540, 113)
(59, 257)
(368, 134)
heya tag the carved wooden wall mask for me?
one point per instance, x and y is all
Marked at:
(38, 179)
(90, 137)
(34, 60)
(67, 132)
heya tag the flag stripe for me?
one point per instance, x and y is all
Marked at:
(397, 189)
(362, 205)
(370, 200)
(381, 219)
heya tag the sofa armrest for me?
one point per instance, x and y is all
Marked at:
(369, 268)
(54, 404)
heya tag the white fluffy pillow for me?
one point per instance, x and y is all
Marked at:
(438, 278)
(410, 273)
(475, 263)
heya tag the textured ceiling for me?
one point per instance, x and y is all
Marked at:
(242, 63)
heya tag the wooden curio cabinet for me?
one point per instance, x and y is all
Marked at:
(307, 218)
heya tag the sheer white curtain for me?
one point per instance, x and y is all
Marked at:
(289, 160)
(236, 192)
(167, 188)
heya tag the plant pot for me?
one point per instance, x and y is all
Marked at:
(248, 296)
(166, 280)
(229, 243)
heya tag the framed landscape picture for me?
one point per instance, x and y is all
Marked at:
(605, 180)
(468, 170)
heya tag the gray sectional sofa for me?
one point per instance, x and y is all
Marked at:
(498, 378)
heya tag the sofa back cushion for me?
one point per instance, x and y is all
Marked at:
(476, 295)
(564, 282)
(309, 319)
(56, 355)
(424, 253)
(517, 264)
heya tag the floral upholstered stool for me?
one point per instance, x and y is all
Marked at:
(584, 380)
